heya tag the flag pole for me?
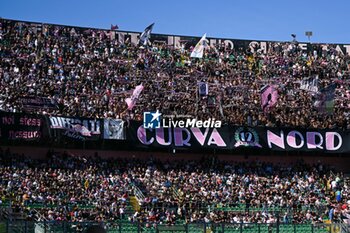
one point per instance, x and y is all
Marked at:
(196, 111)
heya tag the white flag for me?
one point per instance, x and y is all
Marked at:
(309, 84)
(199, 49)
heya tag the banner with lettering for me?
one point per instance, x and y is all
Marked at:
(235, 138)
(75, 127)
(30, 103)
(262, 46)
(21, 126)
(43, 130)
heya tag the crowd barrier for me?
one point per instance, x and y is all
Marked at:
(120, 227)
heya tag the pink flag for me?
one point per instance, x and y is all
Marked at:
(135, 95)
(269, 96)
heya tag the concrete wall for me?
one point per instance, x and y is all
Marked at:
(340, 163)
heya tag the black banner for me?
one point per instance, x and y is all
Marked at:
(29, 103)
(187, 41)
(237, 44)
(109, 133)
(236, 138)
(75, 128)
(21, 126)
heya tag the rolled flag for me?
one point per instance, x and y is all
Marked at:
(200, 46)
(211, 101)
(146, 35)
(203, 89)
(219, 101)
(269, 96)
(135, 95)
(114, 27)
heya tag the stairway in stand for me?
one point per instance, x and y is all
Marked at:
(134, 202)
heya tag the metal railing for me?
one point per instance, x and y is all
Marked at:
(137, 192)
(120, 227)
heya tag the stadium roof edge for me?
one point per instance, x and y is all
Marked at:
(218, 38)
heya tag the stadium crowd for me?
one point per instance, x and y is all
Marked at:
(77, 189)
(88, 73)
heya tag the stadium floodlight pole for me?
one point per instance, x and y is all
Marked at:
(308, 34)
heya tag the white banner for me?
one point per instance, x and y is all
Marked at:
(310, 84)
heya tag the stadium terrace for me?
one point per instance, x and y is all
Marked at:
(266, 148)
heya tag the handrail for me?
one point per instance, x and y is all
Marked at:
(118, 226)
(176, 194)
(138, 193)
(38, 216)
(344, 228)
(331, 173)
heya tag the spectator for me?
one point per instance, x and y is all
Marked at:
(89, 73)
(70, 188)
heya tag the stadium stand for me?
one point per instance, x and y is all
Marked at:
(86, 73)
(176, 193)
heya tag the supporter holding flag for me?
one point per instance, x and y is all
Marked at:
(269, 96)
(135, 95)
(200, 46)
(146, 35)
